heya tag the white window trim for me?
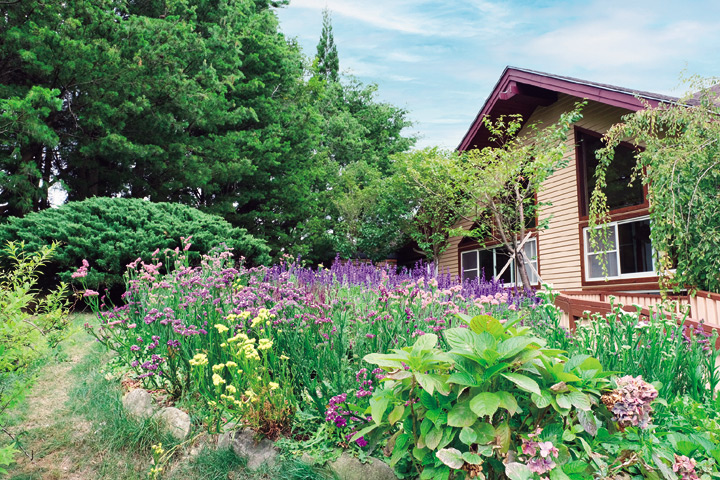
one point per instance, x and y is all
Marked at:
(620, 276)
(498, 266)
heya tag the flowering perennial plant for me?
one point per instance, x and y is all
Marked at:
(630, 402)
(294, 333)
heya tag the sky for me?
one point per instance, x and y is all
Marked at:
(440, 60)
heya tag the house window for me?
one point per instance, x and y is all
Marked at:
(618, 191)
(627, 252)
(489, 262)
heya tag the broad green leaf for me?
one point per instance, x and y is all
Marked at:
(518, 471)
(396, 414)
(575, 361)
(462, 378)
(468, 436)
(433, 437)
(543, 400)
(563, 401)
(576, 466)
(588, 422)
(472, 458)
(485, 403)
(508, 402)
(363, 432)
(377, 408)
(431, 382)
(460, 339)
(502, 437)
(451, 457)
(523, 382)
(579, 400)
(427, 400)
(486, 323)
(558, 474)
(485, 433)
(438, 416)
(490, 372)
(383, 360)
(423, 343)
(461, 415)
(512, 346)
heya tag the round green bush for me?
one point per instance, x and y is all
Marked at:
(112, 232)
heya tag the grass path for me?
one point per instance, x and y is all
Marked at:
(73, 423)
(51, 432)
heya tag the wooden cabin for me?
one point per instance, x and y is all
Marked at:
(561, 255)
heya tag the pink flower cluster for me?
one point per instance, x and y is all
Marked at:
(685, 468)
(630, 403)
(540, 454)
(82, 271)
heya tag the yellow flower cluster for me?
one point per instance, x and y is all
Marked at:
(238, 317)
(217, 368)
(231, 389)
(263, 316)
(217, 379)
(198, 360)
(265, 344)
(221, 328)
(273, 385)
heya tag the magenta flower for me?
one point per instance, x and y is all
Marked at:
(90, 293)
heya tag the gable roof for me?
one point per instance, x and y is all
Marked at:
(520, 91)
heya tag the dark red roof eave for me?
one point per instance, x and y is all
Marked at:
(583, 90)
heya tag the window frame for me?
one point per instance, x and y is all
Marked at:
(619, 276)
(498, 266)
(581, 171)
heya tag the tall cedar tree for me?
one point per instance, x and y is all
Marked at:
(201, 102)
(328, 62)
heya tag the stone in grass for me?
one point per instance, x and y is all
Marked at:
(244, 445)
(176, 421)
(347, 467)
(138, 403)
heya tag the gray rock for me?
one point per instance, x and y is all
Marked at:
(244, 445)
(176, 421)
(138, 403)
(347, 467)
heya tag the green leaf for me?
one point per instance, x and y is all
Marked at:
(472, 458)
(383, 360)
(433, 437)
(485, 403)
(460, 339)
(438, 416)
(518, 471)
(433, 381)
(588, 422)
(396, 414)
(377, 408)
(508, 402)
(512, 346)
(468, 436)
(543, 400)
(462, 378)
(424, 343)
(558, 474)
(576, 466)
(523, 382)
(486, 323)
(451, 457)
(579, 400)
(563, 401)
(502, 435)
(485, 433)
(461, 415)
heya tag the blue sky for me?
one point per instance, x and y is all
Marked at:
(440, 60)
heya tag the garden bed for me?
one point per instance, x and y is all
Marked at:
(439, 378)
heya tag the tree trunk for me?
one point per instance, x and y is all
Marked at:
(522, 270)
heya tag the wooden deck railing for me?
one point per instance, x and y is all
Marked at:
(703, 307)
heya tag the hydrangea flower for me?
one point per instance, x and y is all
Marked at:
(685, 468)
(630, 402)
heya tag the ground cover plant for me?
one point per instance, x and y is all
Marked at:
(448, 379)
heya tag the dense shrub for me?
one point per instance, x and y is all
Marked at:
(112, 232)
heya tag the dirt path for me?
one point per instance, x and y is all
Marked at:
(49, 426)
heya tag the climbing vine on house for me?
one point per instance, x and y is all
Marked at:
(680, 166)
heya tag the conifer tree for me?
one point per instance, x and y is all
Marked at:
(328, 63)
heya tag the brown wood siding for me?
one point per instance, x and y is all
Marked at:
(559, 246)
